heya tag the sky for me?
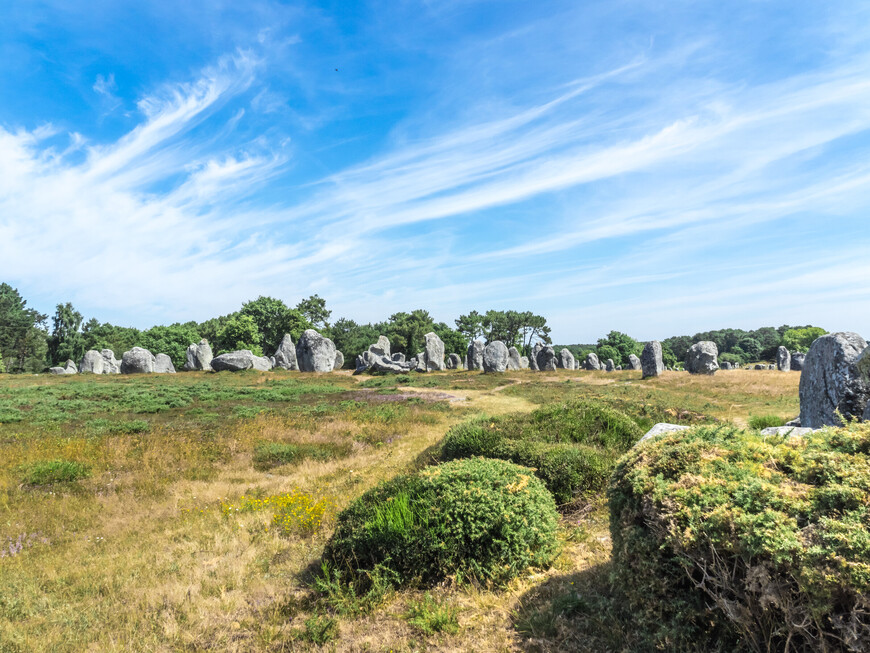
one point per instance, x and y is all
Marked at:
(656, 168)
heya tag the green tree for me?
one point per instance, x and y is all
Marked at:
(619, 347)
(470, 326)
(171, 340)
(534, 328)
(107, 336)
(273, 319)
(66, 342)
(314, 310)
(454, 341)
(801, 339)
(351, 338)
(668, 356)
(407, 331)
(240, 332)
(23, 338)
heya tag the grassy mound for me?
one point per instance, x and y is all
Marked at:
(572, 446)
(727, 540)
(477, 518)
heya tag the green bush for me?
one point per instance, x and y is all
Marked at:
(573, 447)
(480, 519)
(45, 472)
(728, 540)
(273, 454)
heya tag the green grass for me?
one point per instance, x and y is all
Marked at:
(272, 454)
(46, 472)
(430, 616)
(759, 422)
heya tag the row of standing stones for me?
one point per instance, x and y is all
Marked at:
(834, 385)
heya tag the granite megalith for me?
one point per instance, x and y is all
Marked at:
(137, 361)
(834, 381)
(315, 353)
(701, 358)
(495, 357)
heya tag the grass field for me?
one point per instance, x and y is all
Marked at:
(188, 512)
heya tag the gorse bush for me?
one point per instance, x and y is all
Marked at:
(572, 446)
(483, 519)
(728, 540)
(46, 472)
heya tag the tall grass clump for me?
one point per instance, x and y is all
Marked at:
(487, 520)
(46, 472)
(572, 446)
(724, 540)
(272, 454)
(759, 422)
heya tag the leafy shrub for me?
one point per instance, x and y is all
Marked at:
(573, 447)
(273, 454)
(430, 616)
(476, 518)
(764, 421)
(45, 472)
(727, 540)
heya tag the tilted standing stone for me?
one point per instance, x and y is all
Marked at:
(566, 359)
(783, 359)
(475, 355)
(285, 355)
(702, 358)
(515, 361)
(592, 362)
(533, 359)
(651, 359)
(339, 360)
(495, 357)
(633, 362)
(434, 352)
(137, 361)
(315, 353)
(833, 380)
(163, 364)
(381, 347)
(547, 359)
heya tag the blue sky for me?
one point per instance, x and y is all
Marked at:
(658, 168)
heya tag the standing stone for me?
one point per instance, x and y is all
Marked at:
(566, 359)
(420, 362)
(137, 361)
(533, 359)
(70, 367)
(285, 355)
(524, 362)
(783, 359)
(608, 366)
(475, 355)
(315, 353)
(111, 365)
(454, 362)
(434, 353)
(592, 362)
(163, 364)
(262, 363)
(832, 380)
(771, 366)
(495, 357)
(92, 362)
(633, 362)
(339, 360)
(381, 347)
(546, 359)
(515, 361)
(760, 366)
(797, 361)
(237, 361)
(198, 357)
(701, 358)
(725, 365)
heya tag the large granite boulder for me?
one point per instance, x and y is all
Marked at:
(285, 355)
(797, 361)
(609, 366)
(315, 353)
(566, 359)
(633, 362)
(832, 380)
(137, 361)
(592, 362)
(237, 361)
(495, 357)
(92, 362)
(198, 357)
(783, 359)
(111, 365)
(398, 357)
(702, 358)
(515, 361)
(57, 370)
(454, 362)
(533, 359)
(546, 359)
(475, 355)
(434, 353)
(339, 360)
(381, 347)
(163, 364)
(524, 362)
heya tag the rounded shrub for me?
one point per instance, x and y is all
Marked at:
(729, 540)
(573, 447)
(483, 519)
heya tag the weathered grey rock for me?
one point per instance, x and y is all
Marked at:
(475, 355)
(381, 347)
(137, 361)
(546, 359)
(795, 422)
(783, 359)
(420, 362)
(592, 362)
(771, 367)
(633, 362)
(198, 357)
(515, 361)
(619, 368)
(566, 359)
(651, 359)
(339, 360)
(285, 355)
(315, 353)
(832, 380)
(454, 362)
(434, 352)
(272, 361)
(92, 362)
(760, 366)
(57, 370)
(235, 361)
(71, 367)
(662, 427)
(495, 357)
(262, 363)
(701, 358)
(793, 431)
(725, 365)
(111, 365)
(797, 361)
(163, 364)
(608, 365)
(398, 357)
(533, 359)
(524, 362)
